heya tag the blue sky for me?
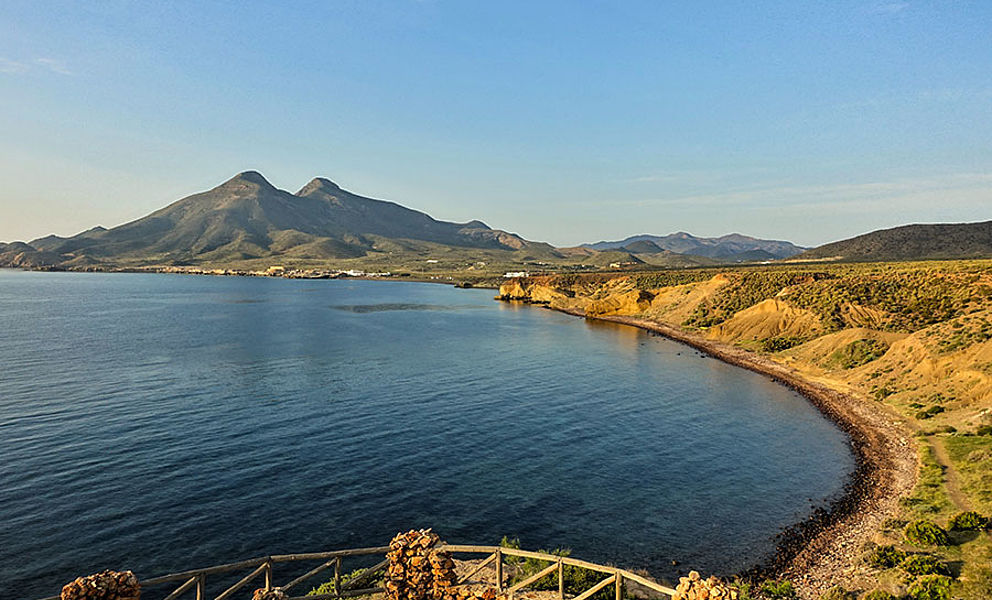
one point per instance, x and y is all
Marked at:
(566, 122)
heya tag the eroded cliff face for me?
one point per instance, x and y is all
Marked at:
(795, 320)
(613, 296)
(914, 337)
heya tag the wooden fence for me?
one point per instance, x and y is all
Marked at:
(195, 581)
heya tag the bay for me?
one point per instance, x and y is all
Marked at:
(166, 422)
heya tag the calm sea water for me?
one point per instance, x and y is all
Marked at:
(160, 423)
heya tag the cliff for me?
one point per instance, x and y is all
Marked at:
(908, 334)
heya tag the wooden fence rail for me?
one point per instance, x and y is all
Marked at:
(195, 580)
(616, 575)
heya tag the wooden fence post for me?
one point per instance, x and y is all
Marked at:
(561, 579)
(499, 570)
(337, 576)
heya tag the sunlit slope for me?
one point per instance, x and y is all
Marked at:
(902, 334)
(911, 242)
(247, 218)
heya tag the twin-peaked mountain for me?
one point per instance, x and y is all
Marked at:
(247, 218)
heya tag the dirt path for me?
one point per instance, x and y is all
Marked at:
(952, 482)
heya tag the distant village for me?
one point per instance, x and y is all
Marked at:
(275, 271)
(280, 271)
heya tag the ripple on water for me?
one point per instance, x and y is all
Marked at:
(161, 423)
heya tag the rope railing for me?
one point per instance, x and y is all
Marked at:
(195, 581)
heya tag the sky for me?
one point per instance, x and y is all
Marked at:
(562, 121)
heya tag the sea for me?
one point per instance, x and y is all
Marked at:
(160, 423)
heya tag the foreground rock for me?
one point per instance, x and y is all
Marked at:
(695, 587)
(105, 585)
(418, 571)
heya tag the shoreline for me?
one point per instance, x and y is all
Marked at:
(819, 550)
(141, 271)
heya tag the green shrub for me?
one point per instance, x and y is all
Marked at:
(924, 564)
(926, 533)
(328, 587)
(576, 579)
(778, 589)
(878, 595)
(660, 279)
(885, 557)
(931, 587)
(779, 343)
(933, 410)
(968, 521)
(857, 353)
(882, 393)
(837, 593)
(984, 430)
(744, 589)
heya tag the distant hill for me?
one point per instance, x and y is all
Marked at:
(642, 247)
(247, 218)
(727, 248)
(911, 242)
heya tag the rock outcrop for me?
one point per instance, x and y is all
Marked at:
(105, 585)
(419, 571)
(695, 587)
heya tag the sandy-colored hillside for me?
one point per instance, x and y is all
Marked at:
(910, 343)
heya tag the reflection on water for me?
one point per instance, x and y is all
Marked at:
(369, 308)
(159, 423)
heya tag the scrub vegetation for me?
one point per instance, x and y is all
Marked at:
(913, 339)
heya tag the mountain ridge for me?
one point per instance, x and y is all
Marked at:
(918, 241)
(246, 217)
(731, 246)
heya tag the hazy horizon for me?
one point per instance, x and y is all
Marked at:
(567, 124)
(588, 241)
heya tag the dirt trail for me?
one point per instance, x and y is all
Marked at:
(952, 482)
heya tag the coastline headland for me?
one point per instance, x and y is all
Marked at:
(819, 552)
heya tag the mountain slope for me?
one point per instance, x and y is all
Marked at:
(246, 217)
(911, 242)
(733, 246)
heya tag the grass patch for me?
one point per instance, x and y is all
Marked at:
(878, 595)
(972, 458)
(577, 580)
(779, 343)
(929, 498)
(328, 586)
(778, 589)
(857, 353)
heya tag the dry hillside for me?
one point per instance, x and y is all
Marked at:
(912, 340)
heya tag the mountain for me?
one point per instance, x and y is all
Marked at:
(53, 241)
(911, 242)
(248, 218)
(729, 247)
(642, 247)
